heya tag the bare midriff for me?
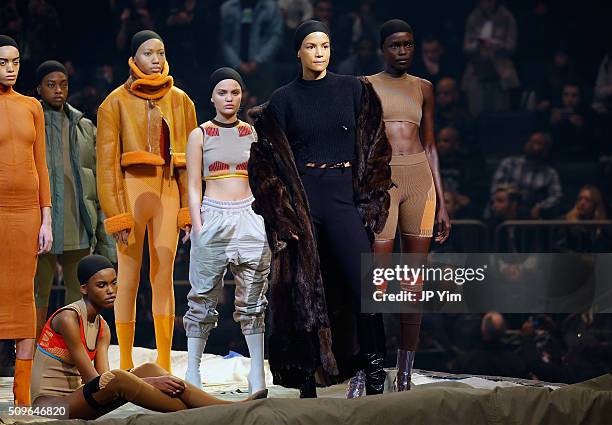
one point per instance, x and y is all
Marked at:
(228, 189)
(404, 137)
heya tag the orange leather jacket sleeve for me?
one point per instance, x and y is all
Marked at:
(111, 191)
(184, 218)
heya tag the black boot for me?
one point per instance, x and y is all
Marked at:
(374, 373)
(309, 388)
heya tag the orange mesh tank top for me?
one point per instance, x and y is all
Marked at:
(226, 149)
(401, 97)
(53, 344)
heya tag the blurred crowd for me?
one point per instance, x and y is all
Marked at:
(523, 120)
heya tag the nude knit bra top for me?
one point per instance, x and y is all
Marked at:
(401, 97)
(226, 149)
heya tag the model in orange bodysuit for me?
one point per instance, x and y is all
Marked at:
(25, 214)
(142, 185)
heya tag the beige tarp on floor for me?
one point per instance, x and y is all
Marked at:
(454, 403)
(436, 398)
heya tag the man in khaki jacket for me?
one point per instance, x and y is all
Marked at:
(142, 183)
(77, 221)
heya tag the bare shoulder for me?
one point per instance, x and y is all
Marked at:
(67, 318)
(106, 332)
(426, 85)
(196, 135)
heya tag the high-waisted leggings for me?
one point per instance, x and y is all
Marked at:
(333, 211)
(413, 199)
(413, 209)
(153, 199)
(116, 387)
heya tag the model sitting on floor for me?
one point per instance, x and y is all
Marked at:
(73, 349)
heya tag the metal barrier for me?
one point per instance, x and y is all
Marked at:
(553, 236)
(466, 236)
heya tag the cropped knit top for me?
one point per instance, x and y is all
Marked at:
(226, 149)
(54, 372)
(401, 97)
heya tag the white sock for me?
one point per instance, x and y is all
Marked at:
(195, 348)
(257, 375)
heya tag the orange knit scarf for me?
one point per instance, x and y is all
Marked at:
(150, 87)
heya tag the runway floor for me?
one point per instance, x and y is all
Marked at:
(226, 379)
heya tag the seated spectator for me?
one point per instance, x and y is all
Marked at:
(432, 64)
(571, 124)
(453, 203)
(135, 17)
(252, 32)
(569, 355)
(490, 41)
(181, 38)
(560, 70)
(602, 104)
(530, 173)
(461, 172)
(87, 101)
(589, 206)
(324, 12)
(192, 34)
(505, 205)
(11, 21)
(353, 26)
(365, 60)
(602, 93)
(295, 12)
(493, 357)
(449, 111)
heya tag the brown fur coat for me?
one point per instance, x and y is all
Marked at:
(300, 336)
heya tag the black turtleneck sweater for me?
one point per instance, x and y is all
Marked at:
(319, 117)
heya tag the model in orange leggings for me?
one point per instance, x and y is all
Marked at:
(408, 112)
(73, 350)
(142, 185)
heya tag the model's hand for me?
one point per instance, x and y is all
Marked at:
(295, 236)
(45, 238)
(121, 237)
(187, 230)
(168, 384)
(443, 226)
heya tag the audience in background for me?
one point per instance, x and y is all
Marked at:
(531, 174)
(449, 111)
(432, 63)
(490, 41)
(251, 34)
(493, 357)
(205, 34)
(365, 60)
(570, 124)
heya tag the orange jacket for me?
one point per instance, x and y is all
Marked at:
(128, 134)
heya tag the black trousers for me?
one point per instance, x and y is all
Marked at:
(341, 240)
